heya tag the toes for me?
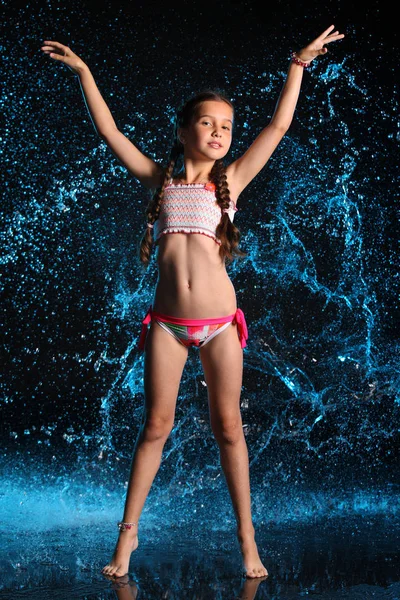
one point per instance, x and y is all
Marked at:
(262, 572)
(108, 571)
(251, 574)
(254, 573)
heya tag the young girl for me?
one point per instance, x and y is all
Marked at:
(194, 302)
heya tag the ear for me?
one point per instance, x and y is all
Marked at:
(181, 135)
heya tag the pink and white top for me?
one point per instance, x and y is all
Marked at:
(190, 208)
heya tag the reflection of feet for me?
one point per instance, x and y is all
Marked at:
(252, 565)
(249, 588)
(125, 588)
(118, 566)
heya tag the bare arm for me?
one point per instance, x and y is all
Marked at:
(145, 169)
(241, 172)
(141, 166)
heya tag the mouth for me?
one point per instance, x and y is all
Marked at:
(215, 145)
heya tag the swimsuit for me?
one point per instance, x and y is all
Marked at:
(192, 208)
(194, 332)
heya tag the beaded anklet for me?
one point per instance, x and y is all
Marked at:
(123, 526)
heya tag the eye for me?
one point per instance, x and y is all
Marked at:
(226, 127)
(206, 123)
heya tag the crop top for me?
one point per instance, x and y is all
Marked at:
(190, 208)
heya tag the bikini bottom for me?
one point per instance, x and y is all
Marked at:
(194, 332)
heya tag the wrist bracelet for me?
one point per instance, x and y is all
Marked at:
(297, 60)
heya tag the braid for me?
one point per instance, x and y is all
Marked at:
(226, 231)
(154, 207)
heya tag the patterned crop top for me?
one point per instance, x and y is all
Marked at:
(190, 208)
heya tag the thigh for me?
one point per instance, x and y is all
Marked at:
(164, 361)
(222, 361)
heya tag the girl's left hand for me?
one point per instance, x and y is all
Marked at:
(316, 47)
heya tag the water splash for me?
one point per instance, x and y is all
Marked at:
(320, 398)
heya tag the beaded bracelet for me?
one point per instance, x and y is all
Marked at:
(297, 60)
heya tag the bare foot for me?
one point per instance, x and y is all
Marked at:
(127, 542)
(252, 565)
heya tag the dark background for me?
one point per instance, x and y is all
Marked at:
(318, 288)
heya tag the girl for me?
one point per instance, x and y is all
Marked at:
(194, 301)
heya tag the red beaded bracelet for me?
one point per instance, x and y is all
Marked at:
(297, 60)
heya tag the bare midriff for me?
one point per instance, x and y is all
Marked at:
(192, 279)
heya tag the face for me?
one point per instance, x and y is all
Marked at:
(209, 135)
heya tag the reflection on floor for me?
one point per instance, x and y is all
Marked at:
(350, 558)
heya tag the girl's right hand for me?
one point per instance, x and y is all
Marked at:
(64, 54)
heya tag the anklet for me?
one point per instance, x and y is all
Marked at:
(123, 526)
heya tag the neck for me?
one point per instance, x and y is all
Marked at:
(195, 173)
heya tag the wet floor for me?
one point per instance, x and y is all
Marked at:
(345, 558)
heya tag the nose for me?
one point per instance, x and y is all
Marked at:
(217, 133)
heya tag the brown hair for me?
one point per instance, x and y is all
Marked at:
(226, 231)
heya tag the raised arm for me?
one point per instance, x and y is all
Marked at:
(145, 169)
(241, 172)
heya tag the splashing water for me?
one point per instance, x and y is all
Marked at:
(320, 399)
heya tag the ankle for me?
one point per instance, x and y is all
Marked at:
(129, 527)
(245, 531)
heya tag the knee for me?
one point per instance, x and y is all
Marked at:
(228, 431)
(156, 429)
